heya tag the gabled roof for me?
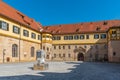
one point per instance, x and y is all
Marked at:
(11, 13)
(88, 27)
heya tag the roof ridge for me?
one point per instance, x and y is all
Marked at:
(91, 22)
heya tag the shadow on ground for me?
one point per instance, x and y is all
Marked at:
(82, 71)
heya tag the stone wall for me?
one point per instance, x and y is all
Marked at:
(114, 51)
(47, 47)
(24, 48)
(6, 44)
(89, 53)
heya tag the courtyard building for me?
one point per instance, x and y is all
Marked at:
(21, 37)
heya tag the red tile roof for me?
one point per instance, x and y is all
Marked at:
(13, 14)
(101, 26)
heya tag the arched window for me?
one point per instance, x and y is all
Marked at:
(14, 50)
(47, 48)
(60, 55)
(69, 55)
(63, 55)
(47, 56)
(54, 55)
(32, 51)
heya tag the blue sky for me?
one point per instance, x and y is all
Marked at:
(52, 12)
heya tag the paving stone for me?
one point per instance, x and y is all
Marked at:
(61, 71)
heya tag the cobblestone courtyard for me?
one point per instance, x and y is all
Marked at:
(61, 71)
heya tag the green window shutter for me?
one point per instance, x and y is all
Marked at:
(18, 30)
(13, 28)
(7, 27)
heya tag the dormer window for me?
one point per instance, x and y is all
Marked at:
(47, 28)
(98, 29)
(78, 30)
(90, 22)
(60, 25)
(28, 25)
(105, 23)
(58, 31)
(21, 15)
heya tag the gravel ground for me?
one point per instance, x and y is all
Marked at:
(61, 71)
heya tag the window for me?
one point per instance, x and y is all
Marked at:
(105, 46)
(44, 36)
(96, 36)
(98, 29)
(43, 47)
(85, 46)
(114, 53)
(65, 37)
(56, 38)
(78, 30)
(33, 35)
(47, 36)
(69, 55)
(118, 33)
(76, 37)
(4, 26)
(47, 49)
(91, 47)
(47, 57)
(39, 37)
(63, 47)
(103, 36)
(32, 51)
(75, 47)
(26, 33)
(105, 23)
(81, 36)
(69, 47)
(96, 46)
(113, 32)
(59, 47)
(63, 55)
(114, 35)
(53, 38)
(54, 55)
(14, 50)
(54, 47)
(59, 55)
(70, 37)
(87, 36)
(16, 30)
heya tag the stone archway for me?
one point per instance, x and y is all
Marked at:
(80, 53)
(80, 57)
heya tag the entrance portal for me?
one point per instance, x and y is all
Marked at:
(80, 57)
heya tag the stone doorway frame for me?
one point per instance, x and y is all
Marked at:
(77, 51)
(80, 56)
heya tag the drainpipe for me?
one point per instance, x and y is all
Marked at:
(20, 42)
(4, 55)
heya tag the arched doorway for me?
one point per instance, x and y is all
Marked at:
(80, 57)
